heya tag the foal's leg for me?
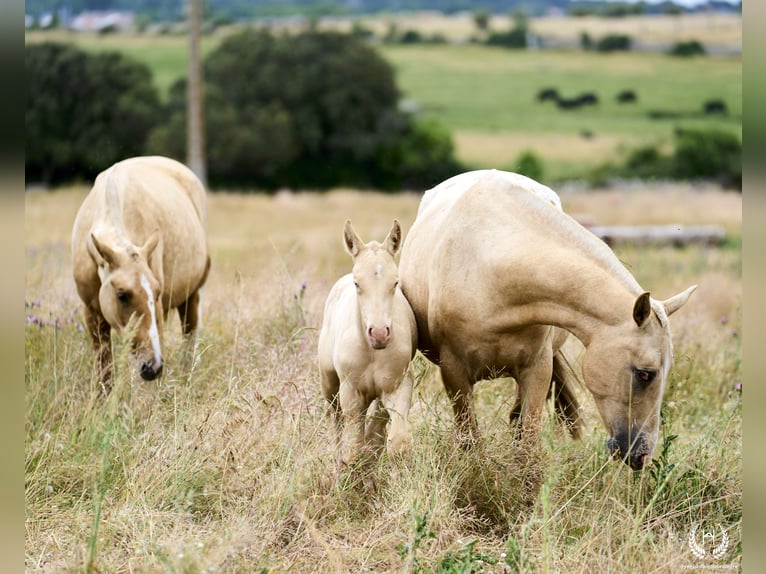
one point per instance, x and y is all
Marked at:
(354, 409)
(330, 390)
(460, 391)
(100, 334)
(375, 428)
(398, 406)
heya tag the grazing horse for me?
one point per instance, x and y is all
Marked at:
(366, 344)
(492, 273)
(139, 249)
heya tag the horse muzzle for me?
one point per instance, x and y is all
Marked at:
(151, 369)
(635, 453)
(378, 337)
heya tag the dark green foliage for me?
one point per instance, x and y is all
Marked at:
(648, 163)
(709, 154)
(690, 48)
(516, 38)
(586, 42)
(314, 110)
(613, 43)
(698, 154)
(530, 164)
(84, 111)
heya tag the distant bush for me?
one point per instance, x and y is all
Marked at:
(411, 37)
(359, 30)
(516, 38)
(529, 163)
(312, 110)
(648, 163)
(709, 154)
(613, 43)
(84, 111)
(586, 42)
(698, 154)
(690, 48)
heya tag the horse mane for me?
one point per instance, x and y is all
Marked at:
(576, 237)
(114, 209)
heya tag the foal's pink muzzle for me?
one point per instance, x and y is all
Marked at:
(378, 337)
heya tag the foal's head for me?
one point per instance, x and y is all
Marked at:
(625, 369)
(376, 278)
(130, 291)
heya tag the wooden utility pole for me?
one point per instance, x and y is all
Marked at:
(195, 108)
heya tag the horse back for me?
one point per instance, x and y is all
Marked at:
(131, 200)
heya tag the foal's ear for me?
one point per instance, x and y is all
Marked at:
(642, 309)
(101, 253)
(677, 301)
(393, 241)
(351, 240)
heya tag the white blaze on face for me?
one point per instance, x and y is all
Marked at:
(154, 333)
(378, 270)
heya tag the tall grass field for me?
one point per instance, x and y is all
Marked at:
(231, 467)
(486, 96)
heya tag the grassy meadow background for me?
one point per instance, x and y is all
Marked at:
(231, 468)
(486, 95)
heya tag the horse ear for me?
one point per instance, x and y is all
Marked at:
(393, 241)
(677, 301)
(642, 308)
(101, 253)
(351, 240)
(150, 245)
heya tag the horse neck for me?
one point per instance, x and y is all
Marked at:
(585, 291)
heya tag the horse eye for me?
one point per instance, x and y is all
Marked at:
(356, 285)
(123, 296)
(645, 376)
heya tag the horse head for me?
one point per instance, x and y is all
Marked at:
(130, 295)
(376, 278)
(625, 368)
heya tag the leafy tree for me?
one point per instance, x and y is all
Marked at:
(481, 19)
(614, 43)
(310, 110)
(530, 164)
(84, 111)
(688, 48)
(709, 153)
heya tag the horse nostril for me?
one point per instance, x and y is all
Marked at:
(148, 370)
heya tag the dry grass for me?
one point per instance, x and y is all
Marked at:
(231, 469)
(493, 149)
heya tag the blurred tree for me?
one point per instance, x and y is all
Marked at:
(84, 111)
(309, 110)
(481, 19)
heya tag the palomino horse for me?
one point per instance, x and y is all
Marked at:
(366, 344)
(139, 249)
(489, 268)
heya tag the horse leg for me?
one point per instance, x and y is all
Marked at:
(534, 381)
(189, 313)
(353, 411)
(100, 334)
(398, 406)
(330, 388)
(460, 392)
(375, 429)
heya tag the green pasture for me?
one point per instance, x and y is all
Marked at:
(474, 89)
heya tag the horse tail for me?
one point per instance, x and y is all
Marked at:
(566, 405)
